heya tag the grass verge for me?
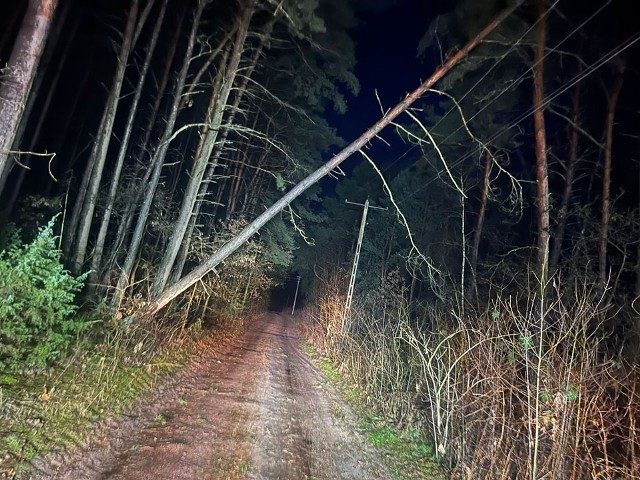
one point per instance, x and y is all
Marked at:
(55, 408)
(409, 455)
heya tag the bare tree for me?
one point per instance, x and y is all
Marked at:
(157, 163)
(86, 202)
(22, 69)
(202, 160)
(96, 260)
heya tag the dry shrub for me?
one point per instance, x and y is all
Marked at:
(523, 389)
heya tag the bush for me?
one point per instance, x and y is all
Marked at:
(36, 302)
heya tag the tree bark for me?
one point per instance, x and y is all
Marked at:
(51, 89)
(23, 66)
(101, 146)
(606, 181)
(201, 162)
(166, 296)
(157, 164)
(204, 186)
(138, 186)
(96, 260)
(542, 173)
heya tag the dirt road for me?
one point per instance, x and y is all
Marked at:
(258, 409)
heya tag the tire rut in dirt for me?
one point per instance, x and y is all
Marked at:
(308, 430)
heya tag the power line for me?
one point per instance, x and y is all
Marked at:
(573, 32)
(494, 99)
(563, 88)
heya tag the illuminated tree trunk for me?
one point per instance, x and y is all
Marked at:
(96, 260)
(202, 161)
(22, 68)
(157, 163)
(141, 179)
(82, 216)
(606, 180)
(542, 173)
(51, 89)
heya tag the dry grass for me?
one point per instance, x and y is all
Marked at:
(523, 389)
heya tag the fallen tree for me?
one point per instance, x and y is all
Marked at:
(172, 291)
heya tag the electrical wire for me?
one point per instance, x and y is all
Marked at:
(494, 99)
(563, 88)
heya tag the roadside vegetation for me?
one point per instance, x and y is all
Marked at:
(63, 370)
(406, 451)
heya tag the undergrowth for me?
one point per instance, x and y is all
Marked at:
(56, 408)
(526, 387)
(408, 453)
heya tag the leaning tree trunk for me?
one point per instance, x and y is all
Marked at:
(542, 173)
(232, 245)
(201, 162)
(606, 180)
(51, 90)
(569, 176)
(57, 27)
(22, 68)
(157, 164)
(96, 260)
(84, 211)
(137, 186)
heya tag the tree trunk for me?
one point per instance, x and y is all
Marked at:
(196, 274)
(204, 186)
(138, 186)
(201, 162)
(569, 175)
(477, 232)
(58, 25)
(606, 181)
(96, 261)
(22, 68)
(101, 146)
(157, 164)
(51, 89)
(542, 174)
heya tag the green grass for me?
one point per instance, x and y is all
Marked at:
(410, 455)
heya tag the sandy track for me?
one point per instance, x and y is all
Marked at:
(257, 409)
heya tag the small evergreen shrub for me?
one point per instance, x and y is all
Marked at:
(36, 302)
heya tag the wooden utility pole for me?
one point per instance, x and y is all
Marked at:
(356, 257)
(295, 297)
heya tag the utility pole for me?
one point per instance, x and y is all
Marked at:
(356, 258)
(293, 309)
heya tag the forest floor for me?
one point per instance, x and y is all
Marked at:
(256, 408)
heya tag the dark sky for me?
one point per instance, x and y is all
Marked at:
(386, 52)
